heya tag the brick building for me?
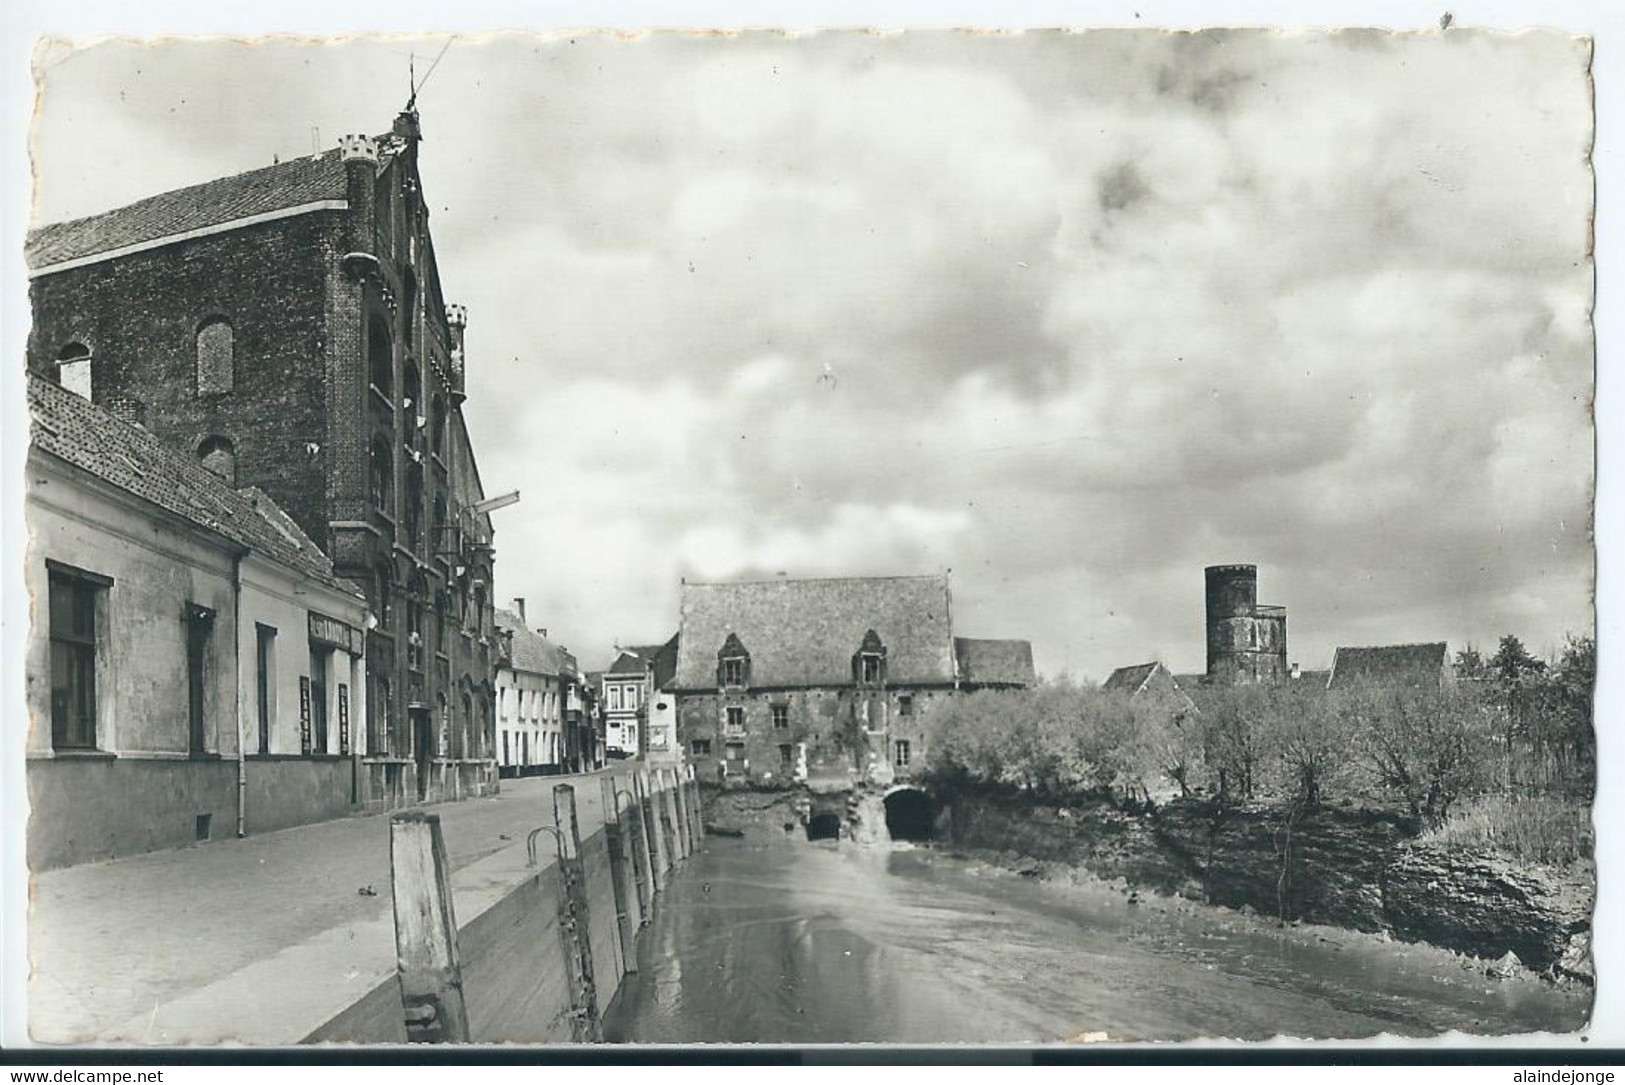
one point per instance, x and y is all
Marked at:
(287, 327)
(783, 680)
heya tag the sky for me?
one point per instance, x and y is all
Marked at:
(1070, 314)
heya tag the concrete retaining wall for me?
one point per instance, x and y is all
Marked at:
(510, 945)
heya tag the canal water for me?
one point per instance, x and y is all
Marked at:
(763, 940)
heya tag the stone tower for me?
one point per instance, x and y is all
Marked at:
(1246, 643)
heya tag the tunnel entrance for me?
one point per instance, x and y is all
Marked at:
(910, 814)
(825, 826)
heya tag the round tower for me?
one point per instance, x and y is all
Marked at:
(1245, 642)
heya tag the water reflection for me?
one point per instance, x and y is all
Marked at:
(796, 942)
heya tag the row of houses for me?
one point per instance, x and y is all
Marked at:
(261, 554)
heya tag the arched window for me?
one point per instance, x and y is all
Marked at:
(73, 369)
(443, 742)
(409, 287)
(380, 356)
(219, 455)
(438, 543)
(414, 506)
(467, 727)
(438, 432)
(411, 404)
(216, 371)
(383, 477)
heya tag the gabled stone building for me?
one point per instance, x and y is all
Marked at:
(781, 681)
(286, 326)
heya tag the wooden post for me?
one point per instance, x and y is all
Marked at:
(668, 819)
(615, 843)
(696, 817)
(585, 1027)
(657, 833)
(685, 843)
(426, 964)
(641, 863)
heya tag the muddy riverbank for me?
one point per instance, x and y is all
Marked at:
(1355, 868)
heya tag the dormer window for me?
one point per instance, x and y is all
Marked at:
(733, 664)
(869, 663)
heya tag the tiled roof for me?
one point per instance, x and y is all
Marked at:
(1393, 664)
(532, 652)
(76, 431)
(1129, 679)
(994, 662)
(196, 207)
(1190, 681)
(629, 662)
(805, 632)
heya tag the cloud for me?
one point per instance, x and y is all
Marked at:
(1074, 314)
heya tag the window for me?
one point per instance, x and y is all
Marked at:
(871, 668)
(736, 751)
(736, 720)
(437, 432)
(733, 672)
(265, 681)
(73, 660)
(409, 287)
(318, 698)
(787, 756)
(438, 542)
(383, 477)
(412, 404)
(905, 705)
(380, 358)
(73, 369)
(219, 455)
(899, 756)
(629, 697)
(414, 507)
(383, 711)
(386, 601)
(614, 698)
(199, 637)
(414, 634)
(781, 716)
(443, 739)
(215, 367)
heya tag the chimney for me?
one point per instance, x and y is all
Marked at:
(407, 125)
(1297, 672)
(519, 607)
(127, 409)
(542, 631)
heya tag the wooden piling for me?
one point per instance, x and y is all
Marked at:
(638, 836)
(650, 802)
(574, 932)
(668, 819)
(679, 801)
(426, 962)
(697, 817)
(615, 843)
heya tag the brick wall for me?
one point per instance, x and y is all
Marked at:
(139, 314)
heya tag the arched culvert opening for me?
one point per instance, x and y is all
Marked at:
(910, 814)
(826, 826)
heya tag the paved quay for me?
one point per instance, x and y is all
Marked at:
(269, 934)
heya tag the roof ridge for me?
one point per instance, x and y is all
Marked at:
(280, 164)
(809, 580)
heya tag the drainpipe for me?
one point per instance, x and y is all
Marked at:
(237, 642)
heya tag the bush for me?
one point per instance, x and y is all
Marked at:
(1549, 830)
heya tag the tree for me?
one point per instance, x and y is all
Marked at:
(1425, 745)
(1513, 669)
(1470, 665)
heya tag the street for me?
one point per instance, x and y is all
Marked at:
(112, 943)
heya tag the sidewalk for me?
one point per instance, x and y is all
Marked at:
(285, 914)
